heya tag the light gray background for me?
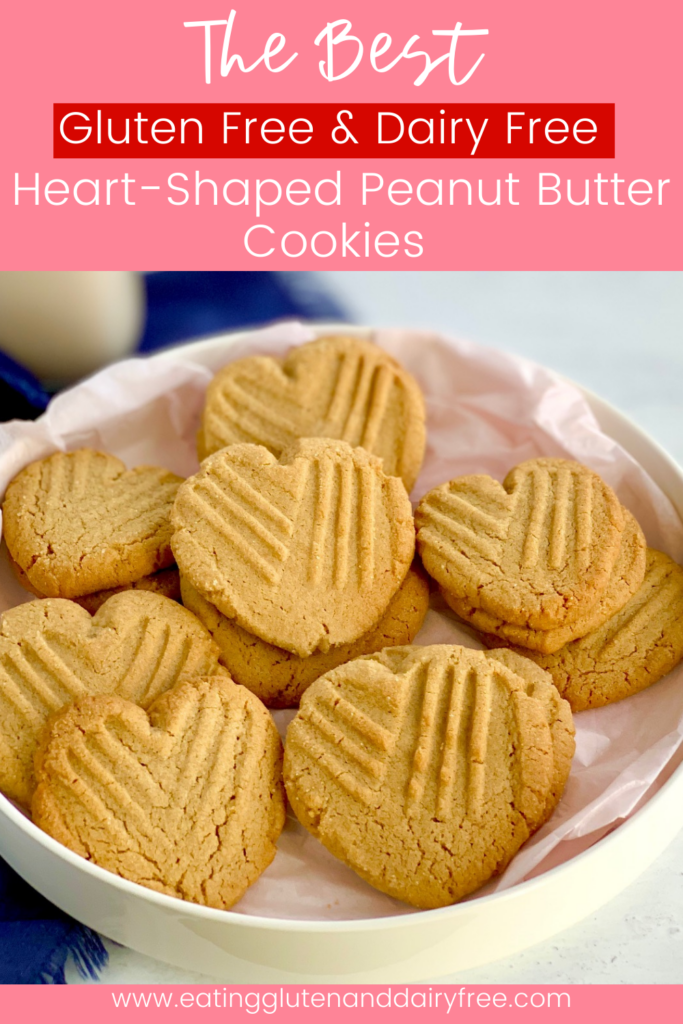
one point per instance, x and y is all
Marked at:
(620, 334)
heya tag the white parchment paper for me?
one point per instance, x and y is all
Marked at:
(486, 411)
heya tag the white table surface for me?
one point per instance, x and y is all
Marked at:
(620, 334)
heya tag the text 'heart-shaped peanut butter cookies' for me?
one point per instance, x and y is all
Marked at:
(53, 652)
(426, 768)
(186, 799)
(343, 388)
(79, 522)
(537, 550)
(305, 552)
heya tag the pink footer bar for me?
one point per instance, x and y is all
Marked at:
(362, 1003)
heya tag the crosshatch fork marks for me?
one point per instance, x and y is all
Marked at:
(368, 729)
(259, 528)
(453, 758)
(359, 399)
(384, 379)
(42, 653)
(233, 511)
(56, 480)
(142, 495)
(558, 530)
(148, 660)
(107, 799)
(323, 473)
(345, 511)
(269, 568)
(41, 682)
(243, 407)
(21, 697)
(657, 603)
(350, 746)
(540, 501)
(252, 498)
(458, 533)
(429, 678)
(478, 742)
(555, 498)
(230, 428)
(564, 492)
(116, 783)
(336, 502)
(337, 740)
(69, 477)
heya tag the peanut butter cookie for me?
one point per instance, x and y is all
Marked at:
(186, 798)
(343, 388)
(426, 768)
(537, 551)
(79, 522)
(305, 552)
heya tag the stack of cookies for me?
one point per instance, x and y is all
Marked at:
(296, 564)
(295, 554)
(52, 652)
(550, 564)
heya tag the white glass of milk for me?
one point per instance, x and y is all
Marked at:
(63, 324)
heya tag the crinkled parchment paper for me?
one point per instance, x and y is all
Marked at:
(486, 411)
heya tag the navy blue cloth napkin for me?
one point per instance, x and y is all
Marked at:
(21, 395)
(37, 939)
(183, 305)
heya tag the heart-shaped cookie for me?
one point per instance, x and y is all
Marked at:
(629, 652)
(344, 388)
(537, 550)
(186, 799)
(79, 522)
(52, 652)
(305, 552)
(426, 768)
(627, 576)
(279, 678)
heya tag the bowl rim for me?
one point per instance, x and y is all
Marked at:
(412, 917)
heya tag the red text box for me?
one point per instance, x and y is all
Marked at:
(335, 131)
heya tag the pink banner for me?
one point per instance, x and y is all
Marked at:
(587, 1003)
(353, 212)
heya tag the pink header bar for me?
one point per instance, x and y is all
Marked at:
(382, 210)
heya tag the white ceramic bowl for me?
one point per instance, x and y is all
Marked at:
(240, 948)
